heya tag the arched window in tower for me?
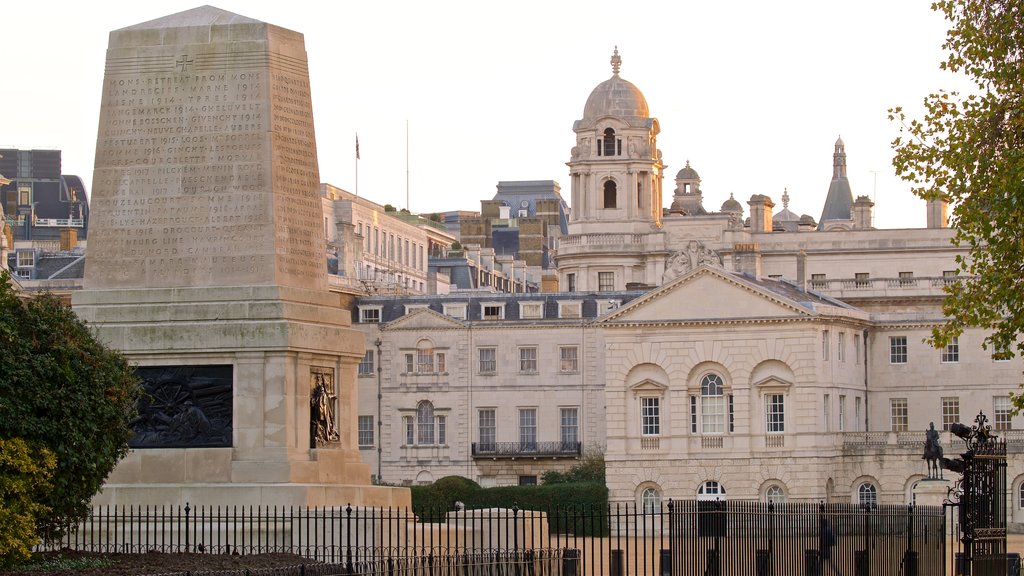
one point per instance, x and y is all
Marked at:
(610, 194)
(610, 143)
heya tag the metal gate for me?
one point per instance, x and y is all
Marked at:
(977, 501)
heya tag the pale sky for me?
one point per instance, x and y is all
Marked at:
(752, 93)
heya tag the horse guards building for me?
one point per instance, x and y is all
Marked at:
(744, 353)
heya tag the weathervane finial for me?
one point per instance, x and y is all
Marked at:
(616, 61)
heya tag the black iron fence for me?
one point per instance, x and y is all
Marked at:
(678, 538)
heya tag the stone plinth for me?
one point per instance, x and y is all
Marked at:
(207, 256)
(931, 492)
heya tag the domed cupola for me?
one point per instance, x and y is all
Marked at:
(732, 205)
(616, 97)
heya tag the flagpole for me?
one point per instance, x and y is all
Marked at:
(357, 163)
(407, 166)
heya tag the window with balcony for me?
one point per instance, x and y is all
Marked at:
(528, 428)
(906, 278)
(950, 412)
(898, 416)
(713, 405)
(569, 361)
(528, 360)
(488, 360)
(897, 349)
(650, 416)
(950, 353)
(570, 427)
(775, 413)
(488, 429)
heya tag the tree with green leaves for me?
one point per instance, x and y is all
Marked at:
(64, 392)
(969, 150)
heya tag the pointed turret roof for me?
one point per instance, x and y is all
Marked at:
(839, 202)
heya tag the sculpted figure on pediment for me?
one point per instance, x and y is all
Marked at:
(682, 261)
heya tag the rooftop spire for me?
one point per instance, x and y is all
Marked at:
(785, 198)
(839, 160)
(616, 61)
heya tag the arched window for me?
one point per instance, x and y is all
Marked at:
(650, 500)
(774, 493)
(611, 194)
(867, 495)
(712, 405)
(425, 423)
(608, 143)
(1020, 496)
(710, 490)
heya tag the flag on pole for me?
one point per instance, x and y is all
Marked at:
(357, 146)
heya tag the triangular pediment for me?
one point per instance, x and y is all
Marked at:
(772, 382)
(424, 319)
(708, 294)
(201, 16)
(648, 387)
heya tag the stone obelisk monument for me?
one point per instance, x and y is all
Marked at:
(206, 265)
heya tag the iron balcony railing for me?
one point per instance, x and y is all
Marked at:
(519, 449)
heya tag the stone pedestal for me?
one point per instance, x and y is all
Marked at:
(931, 492)
(206, 266)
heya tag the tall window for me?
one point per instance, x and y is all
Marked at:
(1001, 409)
(528, 428)
(826, 343)
(842, 413)
(950, 412)
(650, 500)
(827, 408)
(570, 280)
(570, 425)
(425, 423)
(410, 430)
(488, 429)
(951, 352)
(841, 349)
(867, 495)
(610, 194)
(605, 281)
(608, 142)
(856, 348)
(425, 360)
(775, 413)
(897, 349)
(569, 359)
(650, 416)
(488, 360)
(366, 364)
(899, 420)
(712, 405)
(528, 359)
(365, 431)
(856, 414)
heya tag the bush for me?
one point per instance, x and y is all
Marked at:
(433, 501)
(589, 469)
(63, 390)
(24, 477)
